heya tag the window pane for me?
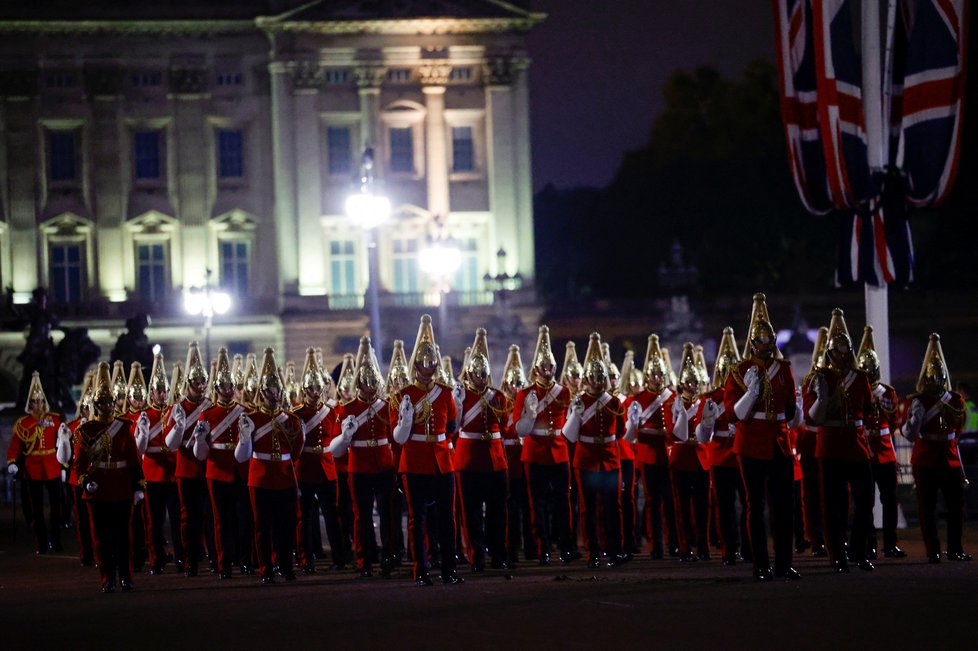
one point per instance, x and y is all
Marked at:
(146, 146)
(402, 150)
(339, 151)
(463, 150)
(61, 155)
(230, 154)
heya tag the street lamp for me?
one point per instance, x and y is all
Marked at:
(206, 301)
(440, 259)
(368, 210)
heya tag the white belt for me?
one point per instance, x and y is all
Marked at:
(722, 433)
(262, 456)
(883, 431)
(760, 415)
(477, 436)
(428, 438)
(222, 446)
(511, 442)
(369, 443)
(938, 437)
(654, 431)
(549, 433)
(842, 423)
(597, 440)
(154, 448)
(312, 449)
(110, 465)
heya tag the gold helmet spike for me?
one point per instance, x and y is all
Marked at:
(102, 389)
(727, 358)
(158, 382)
(543, 354)
(838, 338)
(760, 325)
(136, 388)
(85, 397)
(594, 368)
(118, 380)
(237, 371)
(36, 392)
(176, 384)
(465, 363)
(689, 375)
(397, 373)
(477, 360)
(312, 372)
(572, 367)
(292, 392)
(447, 376)
(221, 372)
(613, 372)
(818, 351)
(514, 378)
(655, 363)
(867, 359)
(211, 392)
(673, 380)
(269, 377)
(632, 381)
(700, 358)
(346, 385)
(367, 368)
(934, 377)
(250, 393)
(425, 347)
(194, 369)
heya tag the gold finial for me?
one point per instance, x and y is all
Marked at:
(595, 371)
(689, 376)
(655, 363)
(269, 377)
(158, 382)
(839, 339)
(477, 361)
(194, 368)
(397, 372)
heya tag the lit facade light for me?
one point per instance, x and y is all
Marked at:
(440, 259)
(368, 210)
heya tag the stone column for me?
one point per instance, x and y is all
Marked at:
(283, 154)
(523, 170)
(20, 133)
(369, 78)
(433, 80)
(307, 79)
(501, 158)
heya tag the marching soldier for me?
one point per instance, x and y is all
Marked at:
(481, 459)
(651, 452)
(345, 392)
(270, 438)
(398, 378)
(67, 449)
(519, 527)
(934, 419)
(882, 419)
(135, 402)
(364, 436)
(626, 451)
(806, 443)
(539, 412)
(837, 400)
(33, 448)
(759, 397)
(110, 473)
(423, 418)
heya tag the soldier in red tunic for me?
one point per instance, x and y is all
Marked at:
(345, 391)
(33, 448)
(112, 478)
(539, 412)
(759, 398)
(805, 444)
(271, 437)
(67, 445)
(191, 468)
(837, 400)
(519, 527)
(650, 449)
(881, 420)
(934, 420)
(626, 452)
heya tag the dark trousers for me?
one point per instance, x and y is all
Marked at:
(344, 513)
(629, 542)
(420, 491)
(691, 492)
(274, 512)
(111, 526)
(771, 481)
(35, 489)
(549, 489)
(519, 528)
(658, 498)
(138, 545)
(83, 527)
(193, 494)
(947, 480)
(162, 501)
(728, 484)
(227, 498)
(601, 488)
(838, 478)
(811, 500)
(885, 476)
(367, 489)
(488, 489)
(313, 499)
(798, 516)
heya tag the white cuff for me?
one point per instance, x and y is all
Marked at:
(242, 451)
(338, 446)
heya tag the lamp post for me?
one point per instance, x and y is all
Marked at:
(368, 210)
(206, 301)
(440, 259)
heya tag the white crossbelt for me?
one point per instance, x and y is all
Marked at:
(429, 397)
(478, 436)
(593, 408)
(264, 456)
(428, 438)
(368, 413)
(476, 409)
(369, 443)
(933, 411)
(225, 423)
(316, 419)
(267, 427)
(654, 407)
(550, 397)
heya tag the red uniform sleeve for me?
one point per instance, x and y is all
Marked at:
(619, 412)
(518, 404)
(394, 410)
(732, 392)
(890, 405)
(666, 409)
(13, 450)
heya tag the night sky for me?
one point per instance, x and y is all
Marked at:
(598, 70)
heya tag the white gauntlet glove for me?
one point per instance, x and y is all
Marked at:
(174, 438)
(458, 395)
(744, 406)
(572, 426)
(63, 447)
(142, 433)
(680, 420)
(246, 427)
(340, 444)
(12, 468)
(915, 420)
(64, 434)
(799, 410)
(632, 422)
(708, 421)
(531, 407)
(201, 448)
(137, 497)
(405, 420)
(821, 388)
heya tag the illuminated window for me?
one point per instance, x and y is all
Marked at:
(463, 150)
(339, 150)
(342, 268)
(235, 267)
(230, 153)
(467, 276)
(66, 272)
(151, 271)
(405, 259)
(146, 154)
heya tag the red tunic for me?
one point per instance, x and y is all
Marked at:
(764, 429)
(75, 441)
(938, 442)
(601, 426)
(370, 450)
(314, 465)
(650, 444)
(850, 398)
(221, 441)
(513, 446)
(626, 450)
(276, 440)
(688, 455)
(880, 422)
(188, 467)
(158, 461)
(107, 455)
(544, 445)
(35, 439)
(479, 446)
(720, 448)
(427, 451)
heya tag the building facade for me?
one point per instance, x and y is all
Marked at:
(167, 148)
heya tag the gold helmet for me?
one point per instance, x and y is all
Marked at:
(689, 375)
(194, 369)
(85, 397)
(614, 375)
(594, 371)
(701, 369)
(867, 360)
(313, 377)
(934, 377)
(367, 369)
(346, 385)
(425, 349)
(839, 339)
(118, 380)
(221, 373)
(269, 379)
(176, 384)
(102, 393)
(238, 371)
(158, 383)
(465, 362)
(673, 380)
(447, 374)
(249, 395)
(397, 373)
(818, 351)
(292, 393)
(632, 381)
(655, 362)
(760, 327)
(211, 393)
(727, 358)
(572, 367)
(136, 389)
(477, 361)
(514, 378)
(543, 354)
(36, 392)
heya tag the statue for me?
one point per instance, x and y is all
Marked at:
(133, 344)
